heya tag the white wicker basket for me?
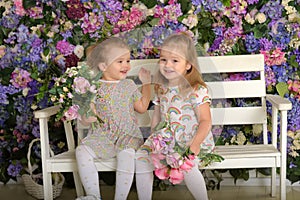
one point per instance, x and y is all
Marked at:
(33, 188)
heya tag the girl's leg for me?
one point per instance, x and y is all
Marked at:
(125, 173)
(144, 175)
(195, 183)
(87, 170)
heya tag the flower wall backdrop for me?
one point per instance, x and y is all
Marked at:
(40, 39)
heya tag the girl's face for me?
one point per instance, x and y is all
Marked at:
(117, 66)
(173, 66)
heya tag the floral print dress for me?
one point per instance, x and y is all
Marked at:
(114, 102)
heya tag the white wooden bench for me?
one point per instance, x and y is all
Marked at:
(266, 155)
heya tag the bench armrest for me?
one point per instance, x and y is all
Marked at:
(279, 102)
(46, 112)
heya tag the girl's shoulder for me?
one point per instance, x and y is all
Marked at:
(200, 87)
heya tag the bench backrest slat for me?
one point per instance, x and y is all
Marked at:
(237, 89)
(227, 64)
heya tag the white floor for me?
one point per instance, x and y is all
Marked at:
(180, 192)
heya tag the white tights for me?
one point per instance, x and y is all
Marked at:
(128, 161)
(195, 183)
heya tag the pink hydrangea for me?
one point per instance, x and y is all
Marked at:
(19, 7)
(129, 20)
(20, 78)
(294, 87)
(275, 57)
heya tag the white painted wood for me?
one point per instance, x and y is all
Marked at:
(237, 89)
(250, 156)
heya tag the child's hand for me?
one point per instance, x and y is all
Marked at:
(90, 119)
(87, 121)
(195, 148)
(145, 76)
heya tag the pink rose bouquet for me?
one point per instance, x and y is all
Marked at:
(170, 160)
(74, 91)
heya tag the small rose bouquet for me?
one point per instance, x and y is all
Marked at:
(170, 160)
(74, 92)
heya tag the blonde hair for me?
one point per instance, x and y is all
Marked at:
(183, 44)
(98, 53)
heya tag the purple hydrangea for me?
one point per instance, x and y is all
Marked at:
(10, 21)
(251, 43)
(251, 2)
(14, 169)
(265, 44)
(294, 115)
(272, 9)
(65, 47)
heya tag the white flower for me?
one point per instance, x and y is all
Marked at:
(45, 58)
(191, 21)
(241, 139)
(68, 25)
(294, 17)
(25, 91)
(257, 129)
(261, 18)
(290, 10)
(79, 51)
(2, 51)
(249, 19)
(294, 154)
(33, 107)
(65, 89)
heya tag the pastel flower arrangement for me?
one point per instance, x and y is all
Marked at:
(74, 91)
(170, 160)
(40, 39)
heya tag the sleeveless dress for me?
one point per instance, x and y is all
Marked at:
(114, 102)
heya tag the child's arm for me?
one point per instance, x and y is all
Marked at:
(87, 121)
(204, 119)
(155, 117)
(142, 104)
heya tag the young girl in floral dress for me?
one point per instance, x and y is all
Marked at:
(182, 100)
(119, 136)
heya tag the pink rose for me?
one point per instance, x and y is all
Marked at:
(72, 113)
(162, 173)
(176, 176)
(81, 85)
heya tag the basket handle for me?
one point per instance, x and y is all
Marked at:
(29, 153)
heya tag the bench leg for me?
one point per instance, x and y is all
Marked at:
(78, 185)
(273, 182)
(47, 182)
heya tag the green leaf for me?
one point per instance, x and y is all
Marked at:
(185, 6)
(226, 2)
(28, 3)
(154, 21)
(282, 88)
(260, 30)
(149, 3)
(293, 62)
